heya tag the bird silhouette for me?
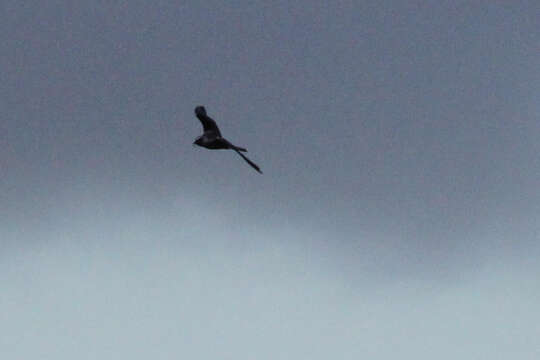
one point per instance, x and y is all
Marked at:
(212, 139)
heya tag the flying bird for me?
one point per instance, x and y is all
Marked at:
(212, 139)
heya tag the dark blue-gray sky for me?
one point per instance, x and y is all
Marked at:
(399, 210)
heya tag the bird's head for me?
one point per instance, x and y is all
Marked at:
(198, 141)
(200, 111)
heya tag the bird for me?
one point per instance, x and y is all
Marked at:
(212, 139)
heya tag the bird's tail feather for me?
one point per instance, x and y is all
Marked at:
(234, 147)
(253, 165)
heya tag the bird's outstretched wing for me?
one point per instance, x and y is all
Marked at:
(209, 125)
(253, 165)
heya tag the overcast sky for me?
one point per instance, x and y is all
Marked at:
(399, 211)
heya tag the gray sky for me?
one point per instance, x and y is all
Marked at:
(398, 214)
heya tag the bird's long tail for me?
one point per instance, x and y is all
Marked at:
(234, 147)
(239, 148)
(253, 165)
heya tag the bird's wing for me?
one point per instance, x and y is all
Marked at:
(209, 125)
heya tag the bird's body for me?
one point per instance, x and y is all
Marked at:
(212, 139)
